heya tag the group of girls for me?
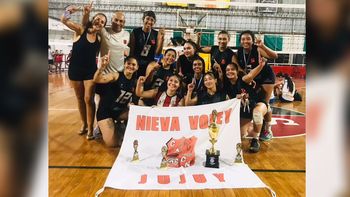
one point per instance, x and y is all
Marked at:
(172, 81)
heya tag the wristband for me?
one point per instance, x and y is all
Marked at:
(67, 14)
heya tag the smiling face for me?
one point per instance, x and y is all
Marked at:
(98, 22)
(246, 41)
(118, 22)
(197, 66)
(210, 81)
(188, 50)
(148, 23)
(231, 72)
(130, 66)
(173, 83)
(223, 40)
(169, 57)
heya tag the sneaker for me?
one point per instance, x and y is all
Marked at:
(97, 133)
(254, 146)
(265, 135)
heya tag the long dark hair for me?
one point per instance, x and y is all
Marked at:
(194, 45)
(289, 82)
(179, 91)
(89, 24)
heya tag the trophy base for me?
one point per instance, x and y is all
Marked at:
(212, 160)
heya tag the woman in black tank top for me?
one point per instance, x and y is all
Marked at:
(83, 65)
(248, 58)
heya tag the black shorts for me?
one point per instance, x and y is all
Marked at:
(81, 75)
(109, 112)
(51, 62)
(266, 76)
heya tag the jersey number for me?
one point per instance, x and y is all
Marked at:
(124, 97)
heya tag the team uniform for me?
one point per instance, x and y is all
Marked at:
(116, 97)
(205, 98)
(247, 106)
(222, 58)
(83, 62)
(145, 48)
(186, 67)
(160, 76)
(250, 61)
(117, 44)
(164, 100)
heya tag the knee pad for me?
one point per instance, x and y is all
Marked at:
(258, 118)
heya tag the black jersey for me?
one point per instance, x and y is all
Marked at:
(145, 47)
(205, 98)
(119, 93)
(186, 66)
(222, 58)
(247, 106)
(160, 76)
(250, 61)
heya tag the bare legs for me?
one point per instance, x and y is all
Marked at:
(84, 94)
(108, 129)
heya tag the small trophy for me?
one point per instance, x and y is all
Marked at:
(238, 158)
(164, 163)
(212, 159)
(136, 154)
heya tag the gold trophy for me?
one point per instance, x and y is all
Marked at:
(212, 159)
(164, 163)
(136, 154)
(238, 158)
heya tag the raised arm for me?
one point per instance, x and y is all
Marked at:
(65, 19)
(264, 50)
(131, 44)
(160, 41)
(86, 14)
(188, 99)
(253, 73)
(99, 77)
(151, 69)
(141, 93)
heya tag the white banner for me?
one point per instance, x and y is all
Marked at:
(154, 127)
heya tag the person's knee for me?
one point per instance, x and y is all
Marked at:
(88, 100)
(258, 117)
(110, 142)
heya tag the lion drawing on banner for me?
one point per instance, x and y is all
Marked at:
(181, 152)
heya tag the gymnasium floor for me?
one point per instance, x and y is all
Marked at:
(78, 167)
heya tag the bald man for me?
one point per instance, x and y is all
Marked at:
(114, 39)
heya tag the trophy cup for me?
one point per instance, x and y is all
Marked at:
(238, 158)
(164, 163)
(136, 154)
(212, 155)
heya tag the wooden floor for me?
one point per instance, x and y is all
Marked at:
(78, 167)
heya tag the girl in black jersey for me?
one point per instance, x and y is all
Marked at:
(248, 58)
(252, 107)
(185, 61)
(164, 96)
(83, 65)
(157, 73)
(198, 77)
(211, 93)
(116, 98)
(145, 42)
(220, 54)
